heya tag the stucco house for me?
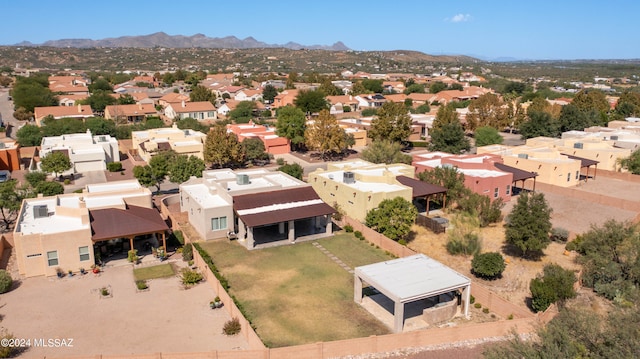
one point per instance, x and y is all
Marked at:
(184, 142)
(86, 152)
(58, 112)
(200, 110)
(273, 143)
(132, 113)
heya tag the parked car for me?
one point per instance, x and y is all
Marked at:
(5, 175)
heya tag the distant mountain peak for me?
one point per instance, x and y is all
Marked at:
(162, 39)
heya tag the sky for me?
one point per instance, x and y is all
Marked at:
(488, 29)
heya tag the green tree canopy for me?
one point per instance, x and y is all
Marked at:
(628, 105)
(392, 123)
(590, 99)
(311, 101)
(32, 92)
(11, 196)
(243, 112)
(329, 89)
(254, 150)
(100, 84)
(100, 126)
(631, 163)
(572, 118)
(326, 136)
(201, 93)
(49, 188)
(515, 87)
(449, 137)
(449, 178)
(21, 114)
(156, 171)
(539, 124)
(372, 86)
(269, 92)
(29, 135)
(393, 218)
(384, 151)
(181, 168)
(62, 126)
(437, 87)
(55, 162)
(222, 149)
(35, 177)
(414, 88)
(555, 285)
(99, 100)
(529, 224)
(487, 110)
(486, 135)
(488, 265)
(125, 99)
(292, 125)
(193, 124)
(292, 169)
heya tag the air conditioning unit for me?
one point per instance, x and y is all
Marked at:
(40, 211)
(578, 145)
(523, 155)
(2, 145)
(349, 177)
(613, 138)
(242, 179)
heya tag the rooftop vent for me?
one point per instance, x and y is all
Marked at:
(523, 155)
(102, 139)
(349, 177)
(578, 145)
(40, 211)
(613, 138)
(242, 179)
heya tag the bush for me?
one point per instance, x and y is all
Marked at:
(485, 310)
(176, 236)
(510, 317)
(477, 305)
(280, 161)
(190, 277)
(402, 242)
(104, 291)
(556, 284)
(141, 284)
(348, 228)
(472, 299)
(559, 234)
(469, 244)
(187, 252)
(132, 255)
(114, 166)
(488, 265)
(67, 181)
(7, 351)
(5, 281)
(232, 326)
(369, 112)
(358, 235)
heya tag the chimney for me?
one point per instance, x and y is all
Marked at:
(79, 108)
(140, 106)
(184, 104)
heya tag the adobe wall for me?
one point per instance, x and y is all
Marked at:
(616, 202)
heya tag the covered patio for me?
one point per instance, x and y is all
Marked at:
(585, 163)
(134, 221)
(424, 190)
(411, 279)
(518, 175)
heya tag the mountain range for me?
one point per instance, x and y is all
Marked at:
(161, 39)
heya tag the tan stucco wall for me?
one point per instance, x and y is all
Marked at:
(554, 173)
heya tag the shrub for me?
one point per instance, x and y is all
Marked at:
(369, 112)
(176, 236)
(67, 181)
(132, 255)
(477, 305)
(187, 252)
(190, 277)
(559, 234)
(232, 326)
(141, 284)
(469, 244)
(104, 291)
(348, 228)
(358, 235)
(114, 166)
(402, 242)
(472, 299)
(485, 310)
(7, 351)
(510, 317)
(5, 281)
(280, 161)
(556, 284)
(488, 265)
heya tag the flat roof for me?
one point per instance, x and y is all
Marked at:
(338, 176)
(113, 186)
(412, 278)
(53, 223)
(200, 193)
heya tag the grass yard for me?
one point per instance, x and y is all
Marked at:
(159, 271)
(296, 294)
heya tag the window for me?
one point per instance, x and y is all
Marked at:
(218, 223)
(508, 191)
(496, 192)
(52, 258)
(84, 253)
(568, 176)
(577, 174)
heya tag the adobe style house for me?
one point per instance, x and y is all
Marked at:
(285, 98)
(605, 147)
(480, 173)
(184, 142)
(58, 112)
(9, 154)
(359, 186)
(86, 152)
(172, 97)
(273, 143)
(131, 113)
(258, 207)
(69, 231)
(201, 110)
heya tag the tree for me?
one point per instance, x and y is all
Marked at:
(222, 149)
(156, 171)
(539, 124)
(5, 284)
(392, 123)
(29, 135)
(628, 105)
(372, 86)
(30, 93)
(269, 92)
(631, 163)
(481, 207)
(572, 118)
(424, 108)
(437, 87)
(359, 89)
(325, 135)
(529, 223)
(486, 135)
(414, 88)
(393, 218)
(456, 86)
(449, 178)
(125, 99)
(293, 170)
(55, 162)
(556, 284)
(62, 126)
(486, 110)
(488, 265)
(22, 115)
(100, 84)
(181, 168)
(254, 150)
(310, 101)
(11, 197)
(329, 89)
(168, 78)
(100, 126)
(201, 93)
(193, 124)
(35, 177)
(515, 88)
(385, 152)
(292, 125)
(99, 100)
(49, 188)
(243, 112)
(590, 99)
(449, 138)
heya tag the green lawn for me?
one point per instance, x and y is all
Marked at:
(295, 294)
(159, 271)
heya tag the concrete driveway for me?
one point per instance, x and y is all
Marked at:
(167, 318)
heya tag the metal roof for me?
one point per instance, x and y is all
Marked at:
(112, 223)
(518, 174)
(411, 278)
(420, 188)
(584, 162)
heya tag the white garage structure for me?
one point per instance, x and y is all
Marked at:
(410, 279)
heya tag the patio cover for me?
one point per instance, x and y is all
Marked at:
(518, 174)
(421, 188)
(584, 162)
(259, 209)
(410, 279)
(113, 223)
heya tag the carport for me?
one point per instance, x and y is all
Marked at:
(585, 162)
(423, 189)
(518, 174)
(410, 279)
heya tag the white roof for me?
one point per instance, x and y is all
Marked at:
(200, 193)
(113, 186)
(412, 278)
(103, 201)
(53, 223)
(376, 187)
(279, 206)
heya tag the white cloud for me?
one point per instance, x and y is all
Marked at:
(460, 18)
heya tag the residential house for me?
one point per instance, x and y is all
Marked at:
(420, 126)
(468, 93)
(132, 113)
(200, 110)
(70, 100)
(71, 231)
(172, 97)
(370, 101)
(187, 142)
(480, 173)
(85, 151)
(258, 207)
(9, 154)
(229, 90)
(285, 98)
(58, 112)
(70, 85)
(273, 143)
(393, 86)
(593, 146)
(339, 103)
(248, 95)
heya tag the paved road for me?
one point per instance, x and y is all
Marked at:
(6, 113)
